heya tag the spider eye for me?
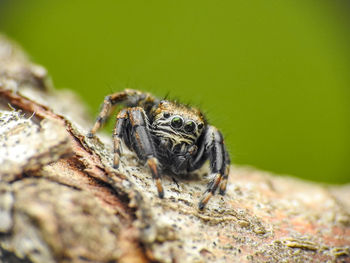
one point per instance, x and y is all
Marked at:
(166, 114)
(200, 126)
(176, 122)
(190, 126)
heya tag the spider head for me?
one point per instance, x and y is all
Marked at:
(179, 123)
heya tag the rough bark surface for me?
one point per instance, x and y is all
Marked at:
(61, 201)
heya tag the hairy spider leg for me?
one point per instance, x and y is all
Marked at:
(129, 97)
(118, 133)
(223, 184)
(215, 150)
(142, 143)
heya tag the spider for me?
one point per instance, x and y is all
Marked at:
(168, 136)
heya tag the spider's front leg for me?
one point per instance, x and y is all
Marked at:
(118, 134)
(139, 137)
(129, 97)
(213, 148)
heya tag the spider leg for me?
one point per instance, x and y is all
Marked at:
(219, 161)
(142, 143)
(102, 117)
(118, 133)
(129, 97)
(175, 181)
(225, 176)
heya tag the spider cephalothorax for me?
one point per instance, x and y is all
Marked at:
(176, 128)
(167, 136)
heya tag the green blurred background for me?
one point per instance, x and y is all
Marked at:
(272, 75)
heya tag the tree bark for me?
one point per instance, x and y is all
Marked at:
(61, 200)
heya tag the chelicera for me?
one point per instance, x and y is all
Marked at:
(168, 136)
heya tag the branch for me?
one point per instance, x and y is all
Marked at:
(61, 201)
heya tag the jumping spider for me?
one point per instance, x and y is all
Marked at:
(167, 136)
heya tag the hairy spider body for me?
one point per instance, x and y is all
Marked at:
(167, 136)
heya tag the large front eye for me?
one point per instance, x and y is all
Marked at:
(190, 126)
(177, 122)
